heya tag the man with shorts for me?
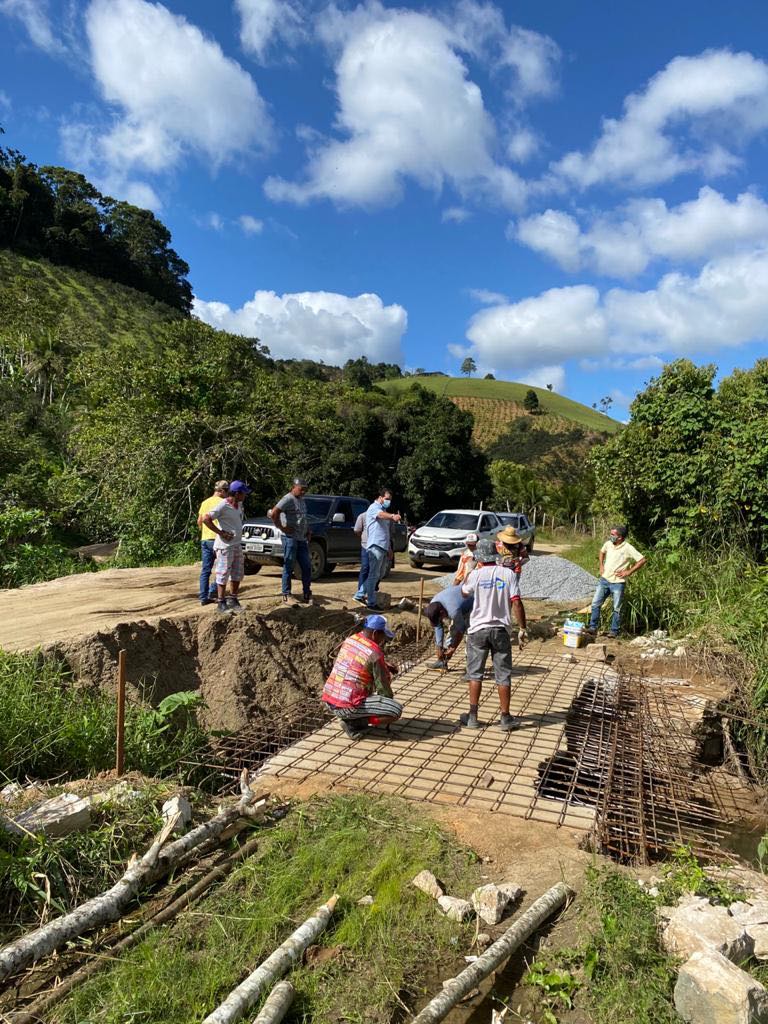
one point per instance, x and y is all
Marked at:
(226, 521)
(496, 590)
(359, 689)
(290, 517)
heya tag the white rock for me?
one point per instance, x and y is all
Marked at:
(178, 805)
(512, 891)
(640, 641)
(699, 929)
(712, 990)
(490, 902)
(427, 882)
(659, 634)
(754, 918)
(679, 652)
(121, 794)
(58, 816)
(365, 901)
(483, 940)
(653, 891)
(595, 652)
(10, 792)
(454, 908)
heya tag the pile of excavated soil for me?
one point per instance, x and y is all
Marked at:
(243, 665)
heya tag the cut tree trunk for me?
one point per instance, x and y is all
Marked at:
(109, 905)
(501, 950)
(277, 1004)
(241, 999)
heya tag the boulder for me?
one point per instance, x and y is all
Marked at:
(512, 891)
(426, 882)
(58, 816)
(11, 792)
(693, 928)
(181, 807)
(753, 917)
(712, 990)
(490, 902)
(454, 908)
(595, 652)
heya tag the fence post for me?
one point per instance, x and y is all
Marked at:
(120, 760)
(421, 602)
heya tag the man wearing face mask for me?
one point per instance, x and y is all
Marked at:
(618, 561)
(377, 542)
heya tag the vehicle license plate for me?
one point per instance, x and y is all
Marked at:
(251, 545)
(431, 553)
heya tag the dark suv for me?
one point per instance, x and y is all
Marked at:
(334, 542)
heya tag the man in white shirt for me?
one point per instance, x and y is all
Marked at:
(226, 521)
(618, 561)
(496, 590)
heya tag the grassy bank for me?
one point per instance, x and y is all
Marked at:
(50, 727)
(354, 845)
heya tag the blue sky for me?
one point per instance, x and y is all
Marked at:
(571, 193)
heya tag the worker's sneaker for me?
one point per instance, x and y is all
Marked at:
(439, 663)
(469, 721)
(234, 605)
(354, 728)
(206, 600)
(286, 598)
(222, 608)
(508, 723)
(307, 599)
(360, 598)
(612, 636)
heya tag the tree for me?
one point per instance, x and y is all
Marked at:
(605, 404)
(549, 387)
(469, 366)
(517, 485)
(531, 401)
(489, 376)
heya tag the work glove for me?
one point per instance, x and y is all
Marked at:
(522, 638)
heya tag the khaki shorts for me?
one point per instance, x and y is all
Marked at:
(494, 641)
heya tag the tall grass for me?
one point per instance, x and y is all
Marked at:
(51, 727)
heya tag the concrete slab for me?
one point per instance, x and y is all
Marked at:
(427, 756)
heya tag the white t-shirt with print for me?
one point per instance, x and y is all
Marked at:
(494, 586)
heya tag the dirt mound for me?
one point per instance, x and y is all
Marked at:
(243, 665)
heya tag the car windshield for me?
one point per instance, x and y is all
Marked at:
(508, 519)
(318, 508)
(453, 521)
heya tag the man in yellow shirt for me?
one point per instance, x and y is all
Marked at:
(208, 592)
(618, 561)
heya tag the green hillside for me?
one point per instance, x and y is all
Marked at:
(553, 405)
(38, 298)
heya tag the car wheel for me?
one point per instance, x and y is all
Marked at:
(415, 563)
(330, 566)
(317, 558)
(251, 568)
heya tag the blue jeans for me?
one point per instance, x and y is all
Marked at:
(602, 590)
(377, 558)
(296, 551)
(209, 557)
(365, 568)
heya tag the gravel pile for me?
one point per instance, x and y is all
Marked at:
(548, 578)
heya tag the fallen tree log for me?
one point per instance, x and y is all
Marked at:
(277, 1004)
(242, 998)
(501, 950)
(32, 1013)
(109, 905)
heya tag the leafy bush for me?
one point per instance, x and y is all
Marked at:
(29, 555)
(50, 726)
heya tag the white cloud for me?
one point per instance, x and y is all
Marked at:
(544, 375)
(33, 14)
(455, 215)
(522, 145)
(5, 102)
(250, 225)
(625, 243)
(718, 96)
(725, 305)
(407, 110)
(265, 22)
(315, 325)
(175, 91)
(212, 221)
(488, 298)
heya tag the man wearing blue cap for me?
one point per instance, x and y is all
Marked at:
(226, 521)
(359, 689)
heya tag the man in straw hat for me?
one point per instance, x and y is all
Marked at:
(496, 590)
(511, 549)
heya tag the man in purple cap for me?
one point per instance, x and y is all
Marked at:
(226, 521)
(359, 689)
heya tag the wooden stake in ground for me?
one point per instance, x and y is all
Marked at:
(109, 905)
(501, 950)
(120, 765)
(277, 1004)
(421, 603)
(241, 999)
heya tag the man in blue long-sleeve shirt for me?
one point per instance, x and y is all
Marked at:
(450, 604)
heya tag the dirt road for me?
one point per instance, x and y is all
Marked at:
(74, 606)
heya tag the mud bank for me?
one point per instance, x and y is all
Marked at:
(243, 665)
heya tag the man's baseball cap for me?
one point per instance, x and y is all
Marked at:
(471, 538)
(238, 487)
(378, 622)
(486, 551)
(298, 481)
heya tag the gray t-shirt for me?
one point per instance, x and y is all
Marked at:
(294, 515)
(362, 531)
(228, 518)
(493, 586)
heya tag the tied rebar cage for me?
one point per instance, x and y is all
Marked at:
(634, 764)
